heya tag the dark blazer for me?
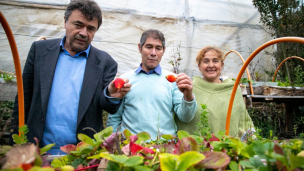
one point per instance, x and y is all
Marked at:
(38, 76)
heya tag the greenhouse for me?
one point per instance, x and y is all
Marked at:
(151, 85)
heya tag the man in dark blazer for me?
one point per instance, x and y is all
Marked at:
(68, 82)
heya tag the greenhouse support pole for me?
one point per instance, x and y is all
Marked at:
(259, 49)
(14, 50)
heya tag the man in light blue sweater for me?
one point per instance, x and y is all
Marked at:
(153, 102)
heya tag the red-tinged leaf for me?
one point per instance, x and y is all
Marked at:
(94, 162)
(81, 146)
(20, 154)
(148, 151)
(186, 144)
(133, 138)
(26, 167)
(134, 148)
(214, 160)
(126, 149)
(277, 149)
(68, 148)
(214, 138)
(209, 146)
(148, 157)
(169, 147)
(80, 166)
(110, 143)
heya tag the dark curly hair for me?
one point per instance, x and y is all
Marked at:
(88, 8)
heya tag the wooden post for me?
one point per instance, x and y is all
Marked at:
(289, 114)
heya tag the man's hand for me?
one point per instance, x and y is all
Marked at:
(184, 84)
(119, 93)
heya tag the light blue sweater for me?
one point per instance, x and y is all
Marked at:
(151, 105)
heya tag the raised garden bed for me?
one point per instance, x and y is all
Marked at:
(124, 151)
(283, 91)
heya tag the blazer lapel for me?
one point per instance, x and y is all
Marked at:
(90, 82)
(47, 71)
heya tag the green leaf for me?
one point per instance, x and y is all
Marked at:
(295, 161)
(77, 162)
(127, 133)
(248, 151)
(69, 157)
(259, 148)
(116, 158)
(234, 166)
(256, 162)
(246, 164)
(280, 157)
(16, 139)
(104, 133)
(188, 159)
(264, 168)
(144, 136)
(46, 148)
(4, 149)
(168, 137)
(237, 145)
(133, 161)
(112, 166)
(15, 169)
(76, 153)
(168, 161)
(85, 138)
(182, 134)
(38, 160)
(97, 156)
(67, 168)
(57, 162)
(142, 168)
(36, 168)
(86, 150)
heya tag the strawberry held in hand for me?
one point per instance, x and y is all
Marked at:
(171, 78)
(119, 83)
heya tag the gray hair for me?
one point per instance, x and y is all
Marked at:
(88, 8)
(156, 34)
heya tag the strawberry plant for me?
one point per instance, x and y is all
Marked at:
(126, 151)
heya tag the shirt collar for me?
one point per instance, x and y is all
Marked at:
(86, 52)
(156, 70)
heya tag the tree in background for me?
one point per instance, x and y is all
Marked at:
(284, 18)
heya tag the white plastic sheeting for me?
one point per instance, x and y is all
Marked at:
(228, 24)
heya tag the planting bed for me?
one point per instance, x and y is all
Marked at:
(124, 151)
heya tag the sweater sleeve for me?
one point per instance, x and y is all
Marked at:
(115, 120)
(184, 110)
(246, 127)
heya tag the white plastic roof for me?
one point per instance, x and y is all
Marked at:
(228, 24)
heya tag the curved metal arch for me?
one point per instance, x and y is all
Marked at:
(247, 71)
(259, 49)
(296, 57)
(14, 50)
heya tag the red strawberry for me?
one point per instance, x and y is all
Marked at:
(171, 78)
(119, 82)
